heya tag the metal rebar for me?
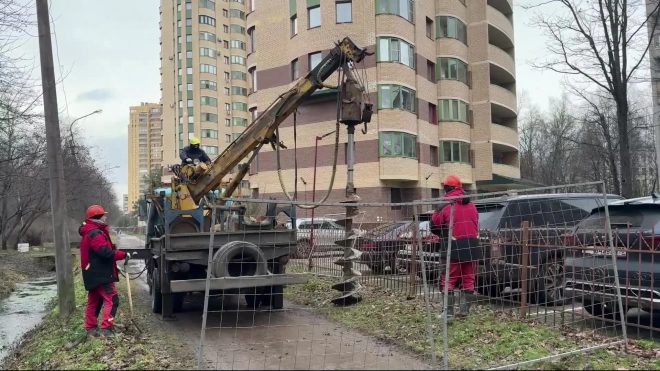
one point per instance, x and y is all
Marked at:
(427, 298)
(445, 343)
(207, 289)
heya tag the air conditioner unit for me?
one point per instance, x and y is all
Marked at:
(171, 57)
(219, 40)
(219, 54)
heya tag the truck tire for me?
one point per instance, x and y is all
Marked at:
(156, 297)
(222, 265)
(273, 296)
(177, 302)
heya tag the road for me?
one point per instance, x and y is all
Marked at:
(295, 338)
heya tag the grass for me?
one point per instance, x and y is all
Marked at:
(8, 279)
(487, 338)
(52, 344)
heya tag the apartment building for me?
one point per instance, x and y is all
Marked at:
(124, 204)
(204, 82)
(442, 80)
(144, 147)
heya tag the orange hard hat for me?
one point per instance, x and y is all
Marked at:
(94, 210)
(453, 181)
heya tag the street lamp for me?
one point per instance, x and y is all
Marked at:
(82, 117)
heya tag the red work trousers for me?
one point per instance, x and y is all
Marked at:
(101, 297)
(465, 271)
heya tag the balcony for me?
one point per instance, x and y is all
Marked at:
(506, 160)
(502, 63)
(500, 29)
(504, 98)
(399, 168)
(506, 170)
(504, 135)
(503, 6)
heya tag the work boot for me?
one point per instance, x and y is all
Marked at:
(92, 333)
(107, 333)
(466, 298)
(449, 314)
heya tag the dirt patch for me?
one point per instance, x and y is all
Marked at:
(57, 344)
(487, 338)
(16, 267)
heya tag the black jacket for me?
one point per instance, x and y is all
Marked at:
(193, 154)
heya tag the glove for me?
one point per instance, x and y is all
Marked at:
(189, 160)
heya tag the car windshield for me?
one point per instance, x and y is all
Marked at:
(619, 218)
(329, 224)
(550, 212)
(489, 215)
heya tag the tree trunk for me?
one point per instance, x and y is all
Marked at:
(624, 148)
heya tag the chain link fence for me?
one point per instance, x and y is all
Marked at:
(534, 277)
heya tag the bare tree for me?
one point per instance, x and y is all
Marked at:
(603, 43)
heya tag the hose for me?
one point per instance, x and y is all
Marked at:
(334, 161)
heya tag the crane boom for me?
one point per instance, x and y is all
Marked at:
(262, 130)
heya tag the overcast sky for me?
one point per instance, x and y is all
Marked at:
(109, 52)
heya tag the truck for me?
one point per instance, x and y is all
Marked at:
(247, 257)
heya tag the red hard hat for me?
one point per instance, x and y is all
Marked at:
(453, 181)
(93, 211)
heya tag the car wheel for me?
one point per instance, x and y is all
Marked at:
(303, 248)
(607, 310)
(550, 283)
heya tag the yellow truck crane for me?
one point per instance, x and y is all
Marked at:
(248, 259)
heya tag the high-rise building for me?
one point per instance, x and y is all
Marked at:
(442, 80)
(124, 204)
(204, 82)
(144, 147)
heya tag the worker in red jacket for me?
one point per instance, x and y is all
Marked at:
(99, 270)
(465, 251)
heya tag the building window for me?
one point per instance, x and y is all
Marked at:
(314, 60)
(394, 50)
(253, 78)
(433, 113)
(294, 25)
(226, 59)
(235, 13)
(210, 117)
(452, 69)
(403, 8)
(205, 19)
(207, 36)
(225, 44)
(189, 54)
(227, 92)
(238, 75)
(429, 28)
(344, 10)
(433, 150)
(239, 106)
(179, 55)
(190, 102)
(190, 86)
(237, 59)
(396, 197)
(237, 90)
(227, 78)
(206, 84)
(188, 6)
(188, 22)
(206, 52)
(225, 13)
(455, 152)
(252, 5)
(314, 16)
(227, 122)
(180, 72)
(227, 138)
(227, 107)
(207, 68)
(253, 113)
(234, 28)
(209, 101)
(450, 27)
(397, 144)
(395, 96)
(210, 150)
(209, 133)
(294, 69)
(225, 28)
(178, 39)
(238, 121)
(238, 44)
(235, 136)
(188, 38)
(180, 88)
(435, 192)
(453, 110)
(208, 4)
(251, 40)
(430, 71)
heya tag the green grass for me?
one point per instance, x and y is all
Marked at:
(49, 346)
(487, 338)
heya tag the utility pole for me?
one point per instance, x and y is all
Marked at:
(65, 290)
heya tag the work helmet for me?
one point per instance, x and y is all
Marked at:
(453, 181)
(194, 141)
(94, 210)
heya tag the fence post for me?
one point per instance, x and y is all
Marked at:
(445, 291)
(608, 227)
(207, 289)
(412, 279)
(425, 286)
(525, 269)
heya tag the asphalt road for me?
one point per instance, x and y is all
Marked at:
(294, 338)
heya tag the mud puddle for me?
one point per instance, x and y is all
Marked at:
(23, 310)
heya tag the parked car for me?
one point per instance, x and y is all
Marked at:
(500, 224)
(635, 227)
(326, 232)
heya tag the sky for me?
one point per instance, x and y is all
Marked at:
(108, 52)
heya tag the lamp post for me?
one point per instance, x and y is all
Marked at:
(316, 152)
(72, 145)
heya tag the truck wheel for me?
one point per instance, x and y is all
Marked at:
(177, 302)
(252, 298)
(157, 297)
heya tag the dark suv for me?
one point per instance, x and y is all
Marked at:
(500, 224)
(589, 269)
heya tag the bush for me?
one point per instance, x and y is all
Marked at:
(33, 238)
